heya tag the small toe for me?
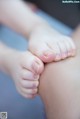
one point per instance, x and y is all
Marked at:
(63, 49)
(58, 57)
(52, 54)
(44, 52)
(37, 66)
(70, 46)
(32, 63)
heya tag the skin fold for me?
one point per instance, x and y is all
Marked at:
(45, 45)
(60, 86)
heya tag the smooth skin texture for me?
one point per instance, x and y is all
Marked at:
(60, 86)
(23, 67)
(49, 44)
(45, 44)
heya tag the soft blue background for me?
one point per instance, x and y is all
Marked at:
(10, 101)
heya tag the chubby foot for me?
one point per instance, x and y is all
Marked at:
(49, 45)
(24, 68)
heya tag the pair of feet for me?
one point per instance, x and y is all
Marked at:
(45, 45)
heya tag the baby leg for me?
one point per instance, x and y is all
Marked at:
(60, 88)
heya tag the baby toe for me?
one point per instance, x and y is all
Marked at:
(37, 66)
(26, 74)
(44, 52)
(57, 57)
(63, 49)
(70, 46)
(32, 63)
(52, 53)
(73, 52)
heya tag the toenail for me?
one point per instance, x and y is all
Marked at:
(36, 77)
(57, 57)
(35, 67)
(36, 85)
(47, 54)
(64, 55)
(69, 53)
(34, 91)
(34, 95)
(73, 53)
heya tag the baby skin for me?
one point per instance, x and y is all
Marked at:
(45, 45)
(44, 42)
(23, 67)
(49, 45)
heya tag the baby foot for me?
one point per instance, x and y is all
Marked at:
(25, 69)
(49, 45)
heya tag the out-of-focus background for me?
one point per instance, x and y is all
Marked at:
(62, 17)
(67, 13)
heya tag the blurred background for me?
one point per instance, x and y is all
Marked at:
(67, 13)
(62, 17)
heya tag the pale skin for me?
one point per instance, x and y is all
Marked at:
(45, 45)
(60, 86)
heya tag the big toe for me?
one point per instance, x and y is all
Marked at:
(44, 53)
(47, 56)
(37, 65)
